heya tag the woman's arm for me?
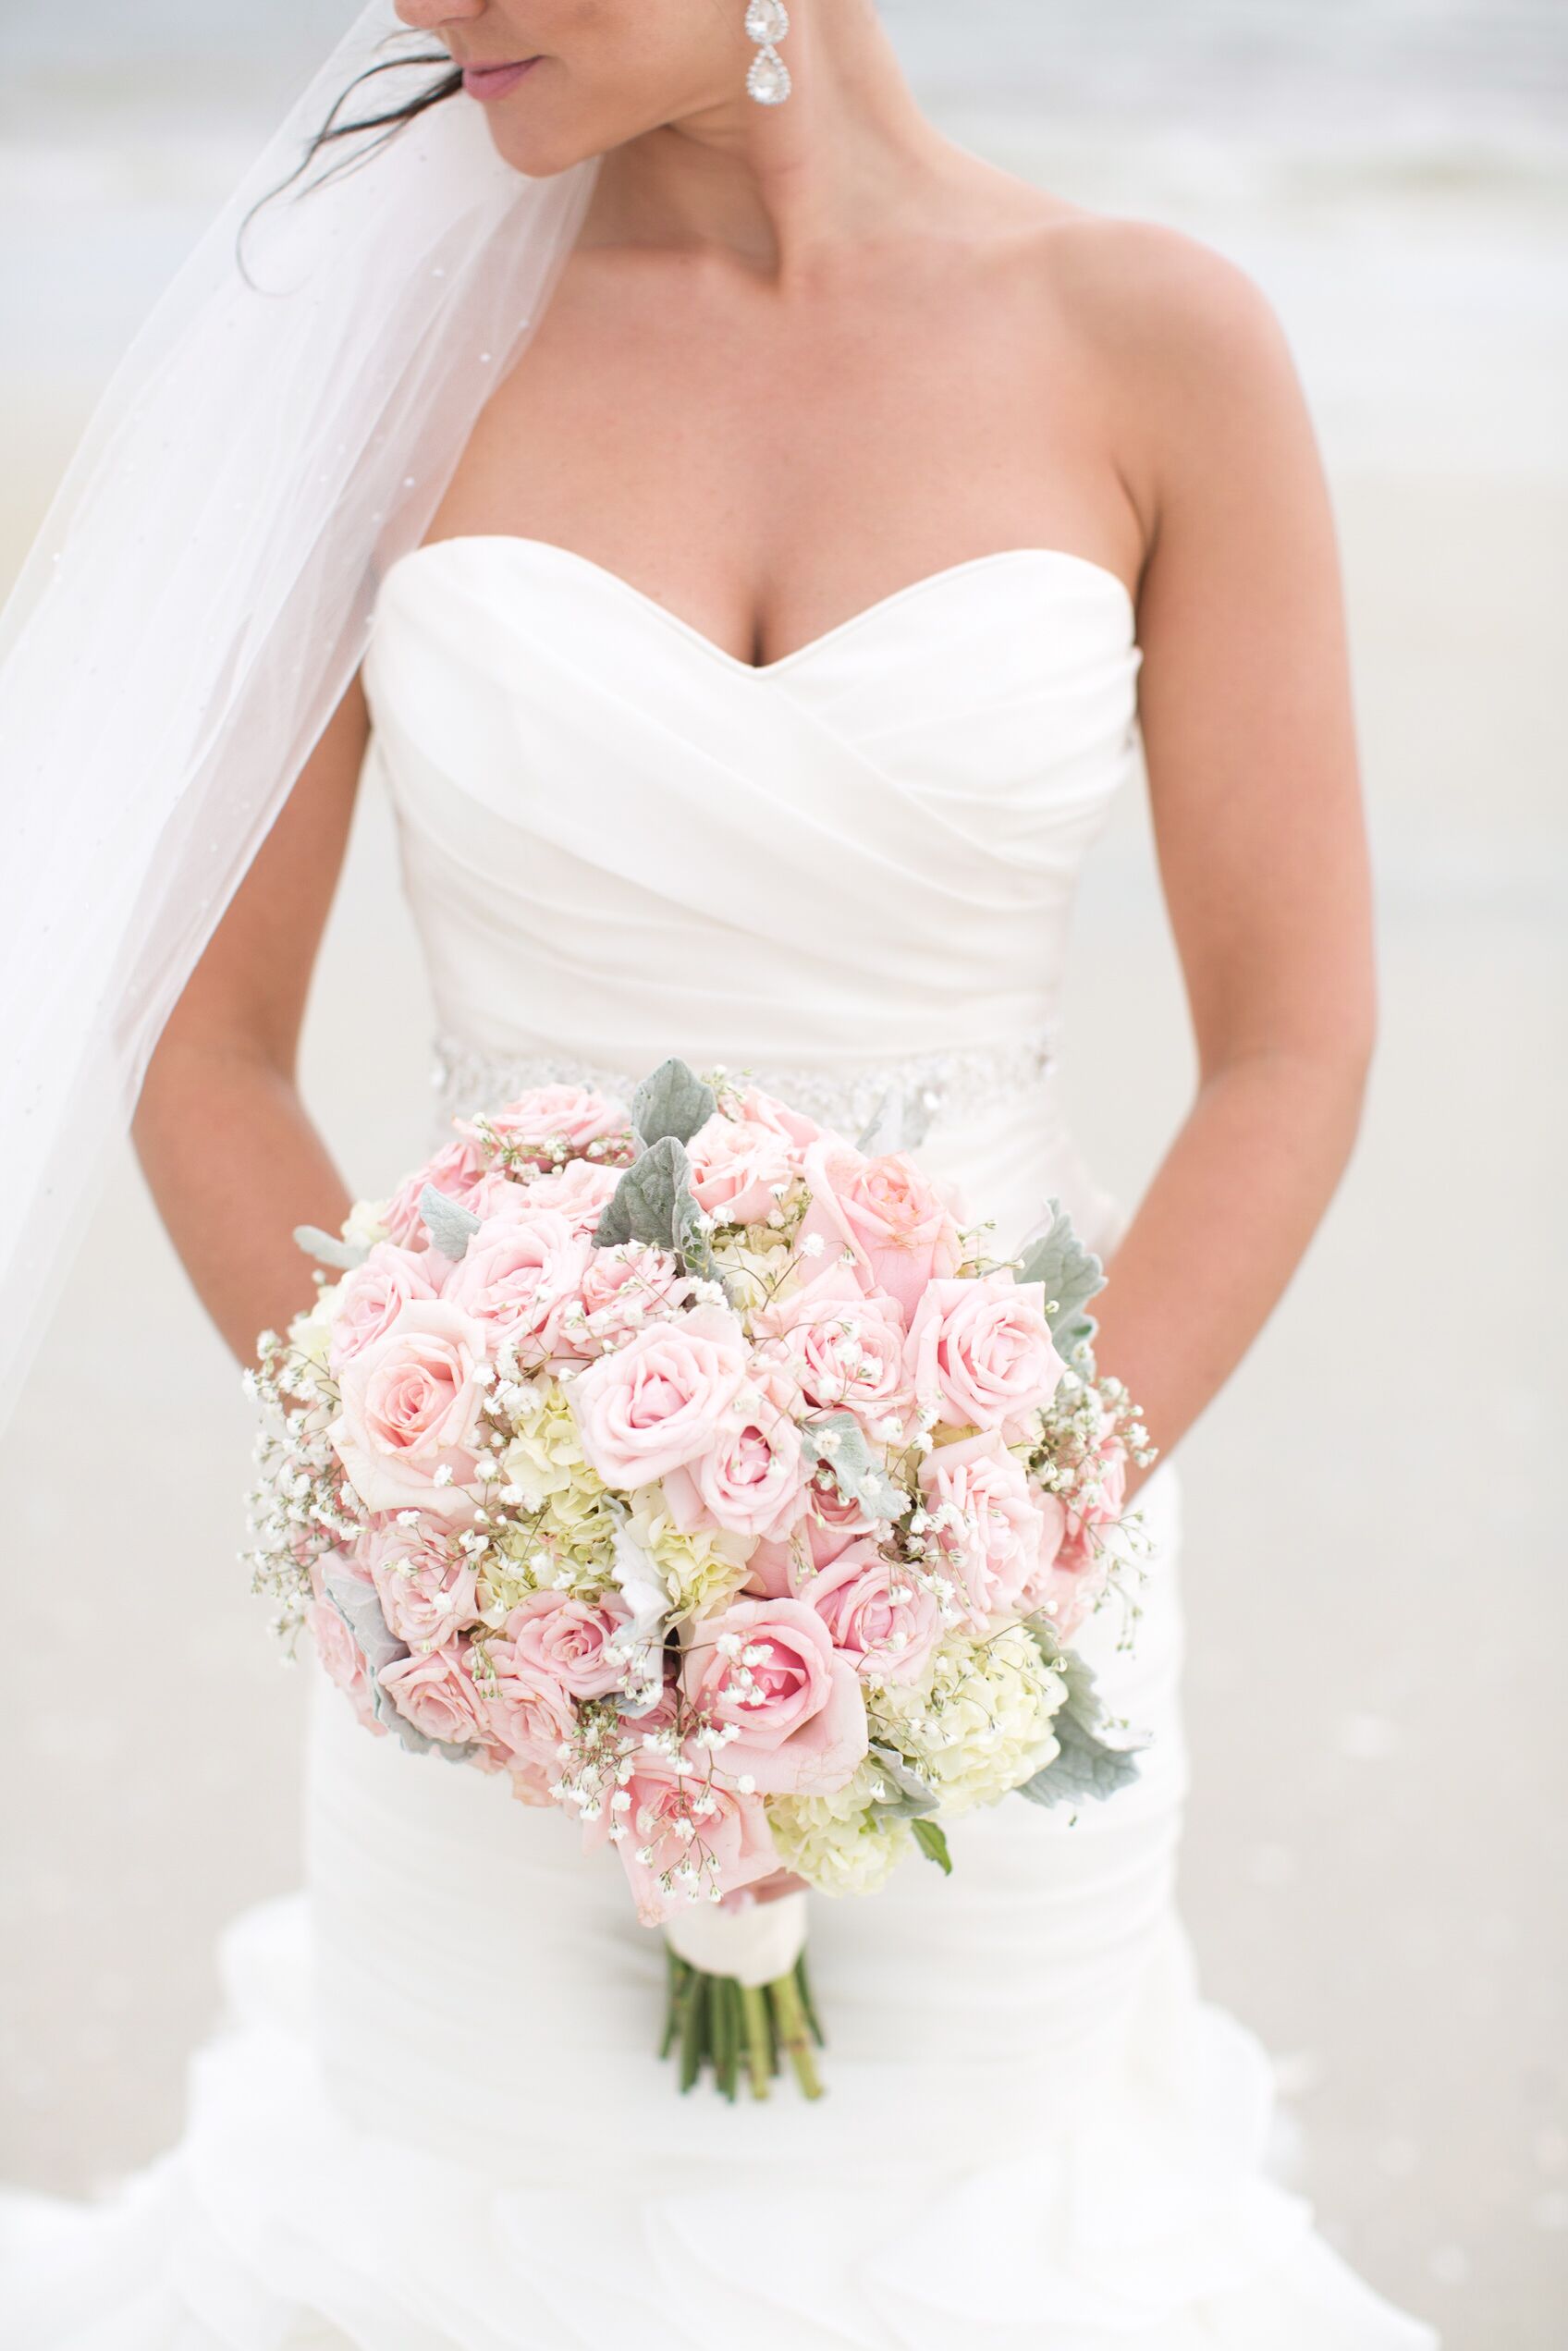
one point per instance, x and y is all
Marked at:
(1255, 798)
(233, 1161)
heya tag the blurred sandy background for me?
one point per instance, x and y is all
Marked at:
(1374, 1867)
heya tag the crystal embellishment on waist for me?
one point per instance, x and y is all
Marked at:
(899, 1102)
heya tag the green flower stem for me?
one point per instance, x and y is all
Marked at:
(794, 2031)
(719, 2023)
(759, 2052)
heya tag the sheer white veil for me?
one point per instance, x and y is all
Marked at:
(199, 596)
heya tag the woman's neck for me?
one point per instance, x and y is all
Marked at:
(776, 188)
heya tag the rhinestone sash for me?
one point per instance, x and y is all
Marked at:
(905, 1097)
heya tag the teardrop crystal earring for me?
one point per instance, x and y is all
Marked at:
(767, 21)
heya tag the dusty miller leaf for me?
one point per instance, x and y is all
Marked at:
(642, 1207)
(1087, 1764)
(450, 1226)
(672, 1101)
(327, 1250)
(914, 1799)
(1072, 1275)
(934, 1845)
(652, 1201)
(850, 1464)
(361, 1610)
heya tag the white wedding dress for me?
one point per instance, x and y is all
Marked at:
(435, 2121)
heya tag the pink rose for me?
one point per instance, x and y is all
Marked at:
(1078, 1574)
(556, 1639)
(623, 1288)
(342, 1660)
(880, 1617)
(529, 1711)
(517, 1277)
(738, 1168)
(552, 1118)
(770, 1668)
(411, 1407)
(579, 1191)
(994, 1526)
(751, 1479)
(901, 1227)
(436, 1693)
(726, 1838)
(830, 1522)
(456, 1172)
(981, 1352)
(765, 1110)
(373, 1296)
(426, 1587)
(657, 1401)
(845, 1348)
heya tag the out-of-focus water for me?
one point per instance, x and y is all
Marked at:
(1395, 172)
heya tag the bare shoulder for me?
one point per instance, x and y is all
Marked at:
(1188, 358)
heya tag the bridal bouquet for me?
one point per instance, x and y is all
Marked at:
(701, 1471)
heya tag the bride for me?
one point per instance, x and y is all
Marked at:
(751, 668)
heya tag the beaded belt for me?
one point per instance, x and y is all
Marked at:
(917, 1090)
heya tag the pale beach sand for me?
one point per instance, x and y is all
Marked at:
(1375, 1869)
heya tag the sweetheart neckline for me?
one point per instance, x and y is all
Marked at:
(519, 541)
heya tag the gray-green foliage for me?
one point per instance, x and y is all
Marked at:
(909, 1797)
(450, 1226)
(358, 1605)
(837, 1441)
(1071, 1275)
(672, 1101)
(1086, 1764)
(653, 1203)
(327, 1250)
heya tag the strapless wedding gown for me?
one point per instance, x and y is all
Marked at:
(435, 2120)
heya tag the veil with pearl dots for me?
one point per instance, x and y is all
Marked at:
(199, 596)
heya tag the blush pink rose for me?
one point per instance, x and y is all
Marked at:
(760, 1110)
(342, 1660)
(436, 1693)
(623, 1288)
(565, 1642)
(428, 1589)
(1079, 1573)
(770, 1668)
(554, 1117)
(751, 1479)
(729, 1842)
(885, 1623)
(456, 1172)
(529, 1712)
(517, 1276)
(738, 1167)
(657, 1402)
(845, 1348)
(579, 1191)
(981, 1352)
(411, 1407)
(996, 1526)
(901, 1226)
(372, 1297)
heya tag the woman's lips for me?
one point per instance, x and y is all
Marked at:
(489, 82)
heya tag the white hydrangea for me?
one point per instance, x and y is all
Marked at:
(842, 1843)
(978, 1720)
(366, 1223)
(701, 1569)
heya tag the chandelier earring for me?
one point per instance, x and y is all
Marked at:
(767, 21)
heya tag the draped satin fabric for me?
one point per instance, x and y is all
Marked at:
(437, 2119)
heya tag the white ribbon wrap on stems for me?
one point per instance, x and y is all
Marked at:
(755, 1945)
